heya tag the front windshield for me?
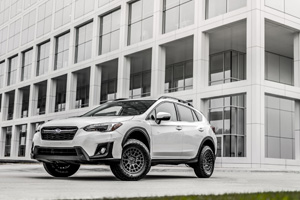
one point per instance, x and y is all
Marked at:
(121, 108)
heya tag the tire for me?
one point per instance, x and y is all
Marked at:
(129, 168)
(204, 168)
(61, 169)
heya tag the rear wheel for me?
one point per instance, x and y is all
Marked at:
(61, 169)
(204, 168)
(135, 162)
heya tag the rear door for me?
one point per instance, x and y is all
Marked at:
(193, 131)
(166, 136)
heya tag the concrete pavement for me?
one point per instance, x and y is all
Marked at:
(30, 181)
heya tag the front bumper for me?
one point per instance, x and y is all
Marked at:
(82, 148)
(72, 155)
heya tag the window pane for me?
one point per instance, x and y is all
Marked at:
(216, 68)
(287, 148)
(105, 44)
(273, 122)
(106, 24)
(115, 20)
(171, 3)
(185, 113)
(187, 14)
(272, 67)
(235, 4)
(136, 11)
(277, 4)
(148, 8)
(135, 32)
(215, 8)
(115, 40)
(216, 119)
(292, 7)
(286, 70)
(171, 19)
(168, 108)
(147, 29)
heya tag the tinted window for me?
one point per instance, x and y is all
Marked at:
(185, 114)
(121, 108)
(168, 108)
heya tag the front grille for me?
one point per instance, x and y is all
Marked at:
(56, 151)
(58, 133)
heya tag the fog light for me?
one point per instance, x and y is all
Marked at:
(103, 150)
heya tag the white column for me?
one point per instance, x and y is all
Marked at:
(33, 98)
(14, 141)
(29, 137)
(95, 85)
(18, 103)
(255, 130)
(123, 77)
(5, 101)
(51, 93)
(71, 91)
(2, 142)
(297, 60)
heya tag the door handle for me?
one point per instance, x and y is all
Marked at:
(178, 128)
(201, 129)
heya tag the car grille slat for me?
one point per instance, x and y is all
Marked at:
(57, 151)
(65, 133)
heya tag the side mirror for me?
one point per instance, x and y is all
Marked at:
(162, 116)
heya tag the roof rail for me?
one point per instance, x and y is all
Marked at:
(120, 99)
(174, 98)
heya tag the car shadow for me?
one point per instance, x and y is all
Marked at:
(110, 178)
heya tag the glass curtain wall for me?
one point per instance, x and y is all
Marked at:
(110, 32)
(12, 71)
(26, 65)
(140, 74)
(7, 148)
(43, 59)
(62, 51)
(279, 68)
(140, 25)
(226, 67)
(42, 98)
(109, 81)
(22, 140)
(25, 101)
(83, 88)
(227, 115)
(11, 105)
(60, 96)
(177, 14)
(219, 7)
(279, 128)
(83, 47)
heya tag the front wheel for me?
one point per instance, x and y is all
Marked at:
(204, 168)
(61, 169)
(135, 162)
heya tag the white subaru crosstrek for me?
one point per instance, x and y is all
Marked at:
(130, 136)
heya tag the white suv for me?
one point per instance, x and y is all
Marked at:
(130, 136)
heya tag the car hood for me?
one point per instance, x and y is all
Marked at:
(81, 122)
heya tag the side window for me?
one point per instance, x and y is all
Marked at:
(199, 116)
(169, 108)
(185, 113)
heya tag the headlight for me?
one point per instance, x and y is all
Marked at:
(105, 127)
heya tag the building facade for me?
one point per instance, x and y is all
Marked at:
(238, 61)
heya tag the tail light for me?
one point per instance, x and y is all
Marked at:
(213, 129)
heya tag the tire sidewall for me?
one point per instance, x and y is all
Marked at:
(201, 160)
(147, 162)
